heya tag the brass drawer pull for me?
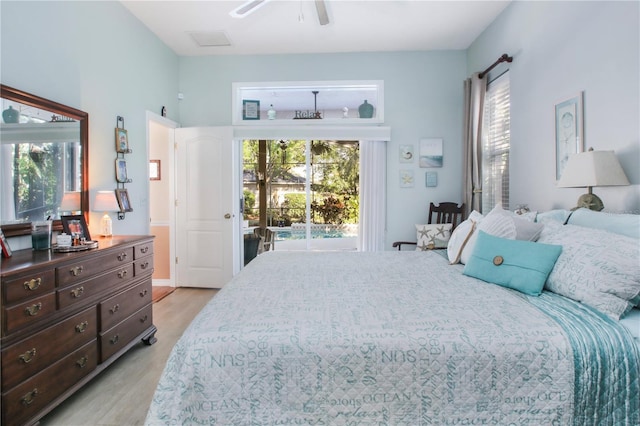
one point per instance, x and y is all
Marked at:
(77, 292)
(82, 362)
(122, 256)
(33, 309)
(144, 249)
(114, 339)
(76, 270)
(122, 274)
(145, 265)
(32, 284)
(28, 356)
(144, 319)
(144, 292)
(115, 309)
(82, 327)
(28, 398)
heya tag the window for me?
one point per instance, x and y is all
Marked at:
(495, 144)
(306, 190)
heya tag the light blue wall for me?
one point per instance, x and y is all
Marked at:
(423, 98)
(560, 49)
(96, 57)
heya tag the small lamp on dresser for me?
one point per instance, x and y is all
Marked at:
(106, 202)
(589, 169)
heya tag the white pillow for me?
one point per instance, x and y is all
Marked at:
(431, 236)
(460, 236)
(499, 223)
(596, 267)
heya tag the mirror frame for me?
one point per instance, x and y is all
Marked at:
(25, 98)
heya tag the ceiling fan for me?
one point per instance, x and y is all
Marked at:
(252, 5)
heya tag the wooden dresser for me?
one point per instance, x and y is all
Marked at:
(68, 316)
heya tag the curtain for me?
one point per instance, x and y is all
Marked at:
(373, 200)
(474, 92)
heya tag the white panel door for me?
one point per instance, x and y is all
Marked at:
(204, 225)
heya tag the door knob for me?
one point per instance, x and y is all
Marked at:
(227, 216)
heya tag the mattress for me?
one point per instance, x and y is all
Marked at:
(399, 338)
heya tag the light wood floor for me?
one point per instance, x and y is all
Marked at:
(122, 393)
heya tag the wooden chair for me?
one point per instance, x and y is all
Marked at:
(444, 213)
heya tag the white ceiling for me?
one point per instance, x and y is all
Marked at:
(355, 26)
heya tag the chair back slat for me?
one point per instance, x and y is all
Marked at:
(446, 212)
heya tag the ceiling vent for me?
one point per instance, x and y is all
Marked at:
(210, 38)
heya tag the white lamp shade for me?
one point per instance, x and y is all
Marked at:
(106, 201)
(592, 168)
(70, 201)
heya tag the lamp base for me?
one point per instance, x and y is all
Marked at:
(589, 201)
(106, 229)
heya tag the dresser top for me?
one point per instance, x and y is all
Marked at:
(22, 260)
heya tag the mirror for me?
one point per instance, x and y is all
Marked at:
(44, 161)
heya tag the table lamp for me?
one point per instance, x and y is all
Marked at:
(106, 202)
(589, 169)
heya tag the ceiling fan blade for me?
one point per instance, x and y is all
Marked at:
(247, 8)
(321, 8)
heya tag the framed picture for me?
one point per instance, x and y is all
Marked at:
(75, 225)
(406, 153)
(121, 170)
(123, 200)
(4, 245)
(406, 179)
(431, 179)
(569, 117)
(122, 141)
(250, 110)
(154, 169)
(431, 153)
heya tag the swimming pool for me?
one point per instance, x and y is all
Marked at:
(317, 231)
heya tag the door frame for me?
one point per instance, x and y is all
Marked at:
(169, 173)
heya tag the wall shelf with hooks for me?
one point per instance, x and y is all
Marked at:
(122, 148)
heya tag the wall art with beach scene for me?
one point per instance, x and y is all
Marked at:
(430, 153)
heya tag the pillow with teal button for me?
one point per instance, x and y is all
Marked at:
(516, 264)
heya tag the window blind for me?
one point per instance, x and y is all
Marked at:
(495, 144)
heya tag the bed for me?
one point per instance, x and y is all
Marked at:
(397, 338)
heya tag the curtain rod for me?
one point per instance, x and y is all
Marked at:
(503, 58)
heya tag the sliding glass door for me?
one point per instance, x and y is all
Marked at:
(305, 191)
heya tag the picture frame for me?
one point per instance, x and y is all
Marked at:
(431, 179)
(406, 179)
(250, 109)
(121, 170)
(122, 140)
(569, 128)
(76, 225)
(431, 153)
(122, 195)
(154, 170)
(405, 153)
(4, 246)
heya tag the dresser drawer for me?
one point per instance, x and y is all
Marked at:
(143, 266)
(116, 338)
(29, 285)
(142, 250)
(25, 400)
(119, 307)
(29, 312)
(37, 352)
(76, 294)
(89, 266)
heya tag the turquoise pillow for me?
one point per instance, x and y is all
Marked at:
(520, 265)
